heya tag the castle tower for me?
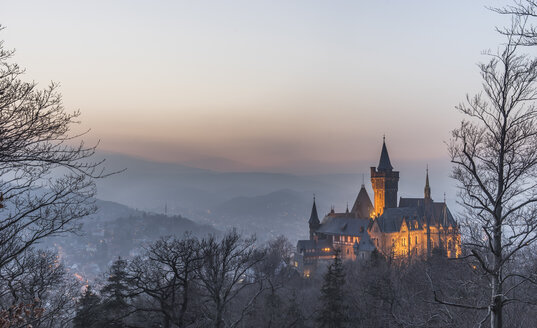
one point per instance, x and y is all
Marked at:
(427, 189)
(385, 182)
(314, 222)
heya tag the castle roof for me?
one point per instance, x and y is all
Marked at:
(366, 245)
(384, 163)
(350, 225)
(415, 212)
(362, 206)
(392, 218)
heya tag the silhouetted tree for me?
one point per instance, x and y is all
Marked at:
(334, 308)
(38, 281)
(46, 175)
(88, 310)
(495, 164)
(116, 296)
(525, 11)
(225, 272)
(166, 273)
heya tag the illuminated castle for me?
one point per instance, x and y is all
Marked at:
(416, 228)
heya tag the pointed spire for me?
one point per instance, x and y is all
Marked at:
(427, 189)
(314, 217)
(347, 211)
(384, 163)
(445, 223)
(362, 207)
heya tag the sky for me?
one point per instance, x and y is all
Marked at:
(282, 86)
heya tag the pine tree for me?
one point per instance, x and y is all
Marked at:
(333, 312)
(87, 310)
(116, 296)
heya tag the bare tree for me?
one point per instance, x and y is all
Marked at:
(525, 11)
(166, 273)
(38, 279)
(280, 277)
(225, 273)
(495, 161)
(46, 173)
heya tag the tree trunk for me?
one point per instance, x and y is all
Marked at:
(497, 290)
(218, 321)
(496, 311)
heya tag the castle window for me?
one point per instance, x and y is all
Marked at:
(404, 241)
(416, 240)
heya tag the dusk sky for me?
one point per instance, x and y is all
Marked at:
(283, 86)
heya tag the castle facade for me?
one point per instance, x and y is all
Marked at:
(414, 228)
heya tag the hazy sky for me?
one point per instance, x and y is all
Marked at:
(297, 86)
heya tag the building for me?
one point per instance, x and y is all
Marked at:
(414, 228)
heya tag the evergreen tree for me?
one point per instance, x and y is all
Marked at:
(87, 310)
(333, 312)
(116, 296)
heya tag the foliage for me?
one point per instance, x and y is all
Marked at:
(334, 309)
(88, 310)
(116, 296)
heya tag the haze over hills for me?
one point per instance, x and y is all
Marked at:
(117, 230)
(263, 203)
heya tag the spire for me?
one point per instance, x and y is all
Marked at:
(362, 207)
(384, 163)
(314, 217)
(347, 211)
(427, 189)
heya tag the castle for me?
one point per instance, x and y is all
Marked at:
(416, 227)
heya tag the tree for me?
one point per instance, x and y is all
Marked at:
(224, 274)
(495, 163)
(279, 276)
(166, 273)
(38, 280)
(116, 294)
(524, 11)
(46, 174)
(333, 312)
(88, 310)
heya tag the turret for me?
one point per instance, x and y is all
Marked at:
(427, 189)
(385, 182)
(314, 222)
